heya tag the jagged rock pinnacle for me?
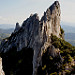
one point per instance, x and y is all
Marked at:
(17, 27)
(36, 34)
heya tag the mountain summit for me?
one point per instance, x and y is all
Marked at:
(29, 43)
(36, 34)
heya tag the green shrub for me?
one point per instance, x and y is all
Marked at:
(57, 44)
(62, 44)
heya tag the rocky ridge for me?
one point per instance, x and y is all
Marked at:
(36, 34)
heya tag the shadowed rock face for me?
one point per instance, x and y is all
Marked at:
(35, 34)
(17, 27)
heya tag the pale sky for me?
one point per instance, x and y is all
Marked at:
(12, 11)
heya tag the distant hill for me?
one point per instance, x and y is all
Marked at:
(69, 33)
(68, 29)
(5, 33)
(7, 26)
(70, 37)
(6, 30)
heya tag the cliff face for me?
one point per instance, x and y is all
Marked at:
(36, 34)
(1, 70)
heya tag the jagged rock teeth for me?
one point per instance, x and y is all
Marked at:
(17, 27)
(36, 34)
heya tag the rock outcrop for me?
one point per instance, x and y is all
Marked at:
(17, 27)
(1, 70)
(35, 34)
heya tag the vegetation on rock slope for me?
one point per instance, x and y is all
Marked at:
(18, 63)
(51, 65)
(3, 35)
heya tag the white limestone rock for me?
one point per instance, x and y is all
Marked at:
(35, 33)
(1, 70)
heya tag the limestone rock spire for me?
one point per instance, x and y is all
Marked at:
(36, 34)
(17, 27)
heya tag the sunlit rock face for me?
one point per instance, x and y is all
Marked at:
(1, 70)
(35, 34)
(51, 20)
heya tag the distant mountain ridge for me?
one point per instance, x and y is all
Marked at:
(5, 33)
(7, 26)
(69, 33)
(70, 37)
(68, 29)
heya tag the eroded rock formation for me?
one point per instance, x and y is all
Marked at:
(17, 27)
(1, 70)
(36, 34)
